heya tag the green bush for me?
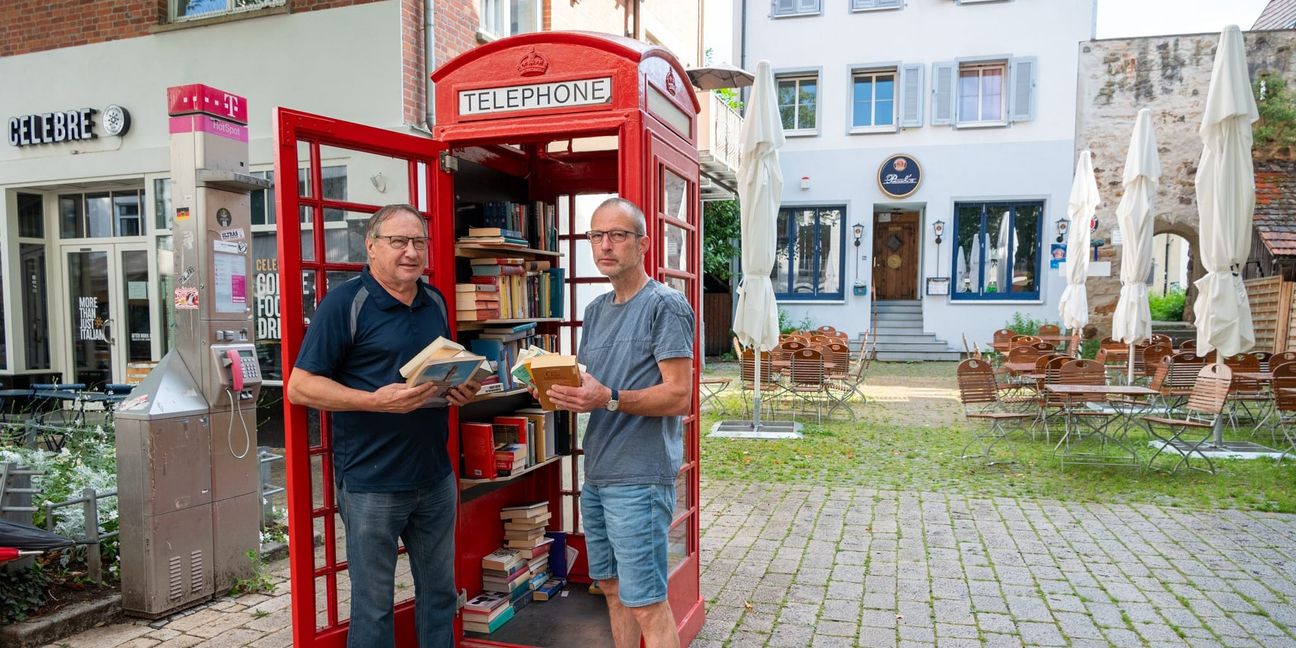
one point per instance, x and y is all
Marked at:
(1168, 307)
(786, 325)
(1089, 348)
(1023, 324)
(24, 593)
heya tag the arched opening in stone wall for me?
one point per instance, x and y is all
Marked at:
(1171, 292)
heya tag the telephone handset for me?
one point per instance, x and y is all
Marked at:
(236, 369)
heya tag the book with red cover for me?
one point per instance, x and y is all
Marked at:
(515, 427)
(478, 450)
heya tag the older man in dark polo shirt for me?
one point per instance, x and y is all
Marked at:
(392, 472)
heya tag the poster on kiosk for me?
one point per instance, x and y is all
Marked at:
(531, 133)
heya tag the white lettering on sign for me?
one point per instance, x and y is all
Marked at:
(584, 92)
(897, 179)
(91, 327)
(267, 299)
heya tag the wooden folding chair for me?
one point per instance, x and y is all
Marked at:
(1284, 393)
(807, 381)
(979, 394)
(1205, 406)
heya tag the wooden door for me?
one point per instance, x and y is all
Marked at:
(895, 255)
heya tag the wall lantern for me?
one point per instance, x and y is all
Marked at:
(1062, 224)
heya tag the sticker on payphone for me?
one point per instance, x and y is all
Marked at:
(182, 213)
(231, 282)
(186, 298)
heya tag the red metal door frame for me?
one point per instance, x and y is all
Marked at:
(293, 129)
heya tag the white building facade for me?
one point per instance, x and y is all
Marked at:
(908, 117)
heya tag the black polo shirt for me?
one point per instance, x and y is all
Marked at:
(372, 451)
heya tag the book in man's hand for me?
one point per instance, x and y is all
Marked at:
(445, 363)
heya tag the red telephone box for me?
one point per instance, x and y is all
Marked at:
(552, 119)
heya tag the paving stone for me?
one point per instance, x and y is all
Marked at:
(917, 634)
(1077, 626)
(1122, 638)
(871, 637)
(955, 630)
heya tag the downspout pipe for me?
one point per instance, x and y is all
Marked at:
(429, 62)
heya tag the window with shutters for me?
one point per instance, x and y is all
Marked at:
(981, 93)
(798, 99)
(784, 8)
(873, 101)
(874, 5)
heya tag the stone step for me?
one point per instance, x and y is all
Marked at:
(894, 307)
(913, 346)
(914, 329)
(909, 338)
(899, 317)
(919, 356)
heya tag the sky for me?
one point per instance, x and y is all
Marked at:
(1116, 19)
(1121, 18)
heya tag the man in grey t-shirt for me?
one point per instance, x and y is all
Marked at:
(638, 346)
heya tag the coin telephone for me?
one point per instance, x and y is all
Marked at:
(237, 368)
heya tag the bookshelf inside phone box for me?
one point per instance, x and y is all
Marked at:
(532, 133)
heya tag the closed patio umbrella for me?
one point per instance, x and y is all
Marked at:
(1074, 306)
(760, 191)
(1132, 321)
(960, 269)
(1226, 202)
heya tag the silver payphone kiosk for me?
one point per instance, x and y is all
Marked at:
(186, 436)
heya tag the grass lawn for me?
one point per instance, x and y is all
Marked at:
(911, 432)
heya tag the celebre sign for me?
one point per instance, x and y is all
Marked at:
(536, 96)
(52, 128)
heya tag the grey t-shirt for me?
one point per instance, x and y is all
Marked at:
(621, 346)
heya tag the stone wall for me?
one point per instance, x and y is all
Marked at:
(1170, 75)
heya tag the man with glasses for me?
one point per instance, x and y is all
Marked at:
(392, 474)
(638, 345)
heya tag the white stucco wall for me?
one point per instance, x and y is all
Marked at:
(341, 62)
(1026, 160)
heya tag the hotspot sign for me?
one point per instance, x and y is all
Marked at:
(899, 176)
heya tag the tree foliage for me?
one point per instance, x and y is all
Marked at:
(1277, 109)
(720, 237)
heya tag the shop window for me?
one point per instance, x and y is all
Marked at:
(31, 216)
(873, 100)
(101, 214)
(194, 9)
(501, 18)
(35, 306)
(4, 347)
(783, 8)
(263, 207)
(997, 250)
(810, 253)
(162, 218)
(798, 101)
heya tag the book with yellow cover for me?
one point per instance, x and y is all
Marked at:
(552, 369)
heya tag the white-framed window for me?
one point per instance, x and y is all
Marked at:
(195, 9)
(798, 101)
(873, 100)
(963, 2)
(501, 18)
(984, 92)
(875, 5)
(784, 8)
(981, 93)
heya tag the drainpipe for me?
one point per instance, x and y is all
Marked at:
(429, 62)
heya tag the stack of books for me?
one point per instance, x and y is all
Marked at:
(486, 612)
(507, 275)
(476, 302)
(510, 459)
(524, 527)
(500, 222)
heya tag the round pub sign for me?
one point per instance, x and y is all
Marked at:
(899, 176)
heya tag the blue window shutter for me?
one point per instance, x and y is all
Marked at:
(1021, 99)
(943, 80)
(911, 96)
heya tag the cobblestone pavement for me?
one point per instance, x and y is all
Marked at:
(812, 566)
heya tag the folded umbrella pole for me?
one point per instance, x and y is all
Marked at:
(13, 553)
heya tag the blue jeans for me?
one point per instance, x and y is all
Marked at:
(626, 535)
(425, 520)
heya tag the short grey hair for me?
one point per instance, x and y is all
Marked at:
(632, 210)
(385, 214)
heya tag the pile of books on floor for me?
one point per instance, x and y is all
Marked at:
(515, 574)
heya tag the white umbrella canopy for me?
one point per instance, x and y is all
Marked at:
(1074, 306)
(760, 191)
(1226, 202)
(960, 269)
(1132, 321)
(974, 264)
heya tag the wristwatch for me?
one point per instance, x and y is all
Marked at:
(613, 403)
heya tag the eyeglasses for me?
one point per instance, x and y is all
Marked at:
(399, 242)
(616, 236)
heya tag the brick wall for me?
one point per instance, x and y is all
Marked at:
(36, 25)
(456, 24)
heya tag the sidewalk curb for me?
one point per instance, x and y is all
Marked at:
(63, 623)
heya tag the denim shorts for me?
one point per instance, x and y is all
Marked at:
(626, 530)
